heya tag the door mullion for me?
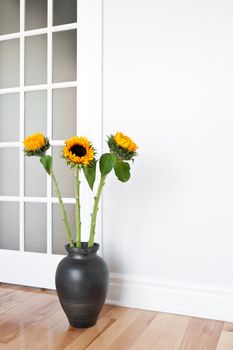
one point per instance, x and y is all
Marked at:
(21, 155)
(49, 123)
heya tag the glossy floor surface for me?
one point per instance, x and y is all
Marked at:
(33, 319)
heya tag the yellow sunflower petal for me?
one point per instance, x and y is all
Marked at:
(125, 142)
(34, 142)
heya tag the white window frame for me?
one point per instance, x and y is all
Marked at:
(37, 269)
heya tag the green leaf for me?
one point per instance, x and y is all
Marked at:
(47, 162)
(89, 173)
(107, 162)
(122, 171)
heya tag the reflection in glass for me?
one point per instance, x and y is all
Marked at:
(9, 117)
(35, 227)
(36, 14)
(9, 16)
(64, 113)
(64, 14)
(35, 112)
(9, 63)
(36, 59)
(59, 234)
(64, 56)
(9, 165)
(34, 174)
(9, 225)
(64, 174)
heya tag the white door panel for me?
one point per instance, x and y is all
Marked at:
(50, 82)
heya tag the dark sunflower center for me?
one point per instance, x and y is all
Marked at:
(78, 150)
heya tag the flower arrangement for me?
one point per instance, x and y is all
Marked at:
(79, 153)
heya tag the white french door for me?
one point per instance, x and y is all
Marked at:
(50, 82)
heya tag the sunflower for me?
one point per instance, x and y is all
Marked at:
(36, 145)
(125, 142)
(78, 150)
(122, 146)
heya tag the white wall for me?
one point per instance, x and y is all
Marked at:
(168, 83)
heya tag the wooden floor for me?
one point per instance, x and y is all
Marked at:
(32, 319)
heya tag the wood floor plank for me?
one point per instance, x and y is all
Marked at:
(90, 335)
(225, 341)
(172, 338)
(31, 310)
(17, 301)
(34, 320)
(128, 337)
(22, 316)
(202, 334)
(35, 331)
(106, 309)
(228, 326)
(117, 312)
(109, 332)
(49, 333)
(107, 338)
(165, 332)
(64, 339)
(152, 332)
(5, 293)
(103, 323)
(10, 300)
(70, 334)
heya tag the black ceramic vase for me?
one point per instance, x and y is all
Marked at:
(81, 283)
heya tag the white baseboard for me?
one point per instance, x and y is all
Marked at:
(131, 291)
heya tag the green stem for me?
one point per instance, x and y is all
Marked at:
(77, 210)
(95, 210)
(63, 211)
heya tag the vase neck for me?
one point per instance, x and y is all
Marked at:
(83, 252)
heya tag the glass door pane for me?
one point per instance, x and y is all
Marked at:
(35, 227)
(64, 14)
(9, 16)
(35, 112)
(35, 178)
(35, 14)
(9, 225)
(9, 63)
(64, 113)
(36, 59)
(9, 117)
(9, 165)
(64, 55)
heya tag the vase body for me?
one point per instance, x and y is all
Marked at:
(81, 283)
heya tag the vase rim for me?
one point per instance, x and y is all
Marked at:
(84, 250)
